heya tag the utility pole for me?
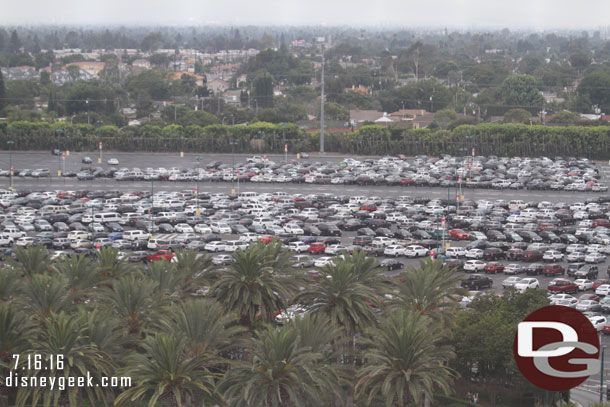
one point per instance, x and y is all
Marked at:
(322, 106)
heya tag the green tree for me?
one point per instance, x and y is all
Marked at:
(405, 360)
(519, 116)
(44, 295)
(165, 373)
(444, 118)
(65, 335)
(15, 43)
(263, 92)
(259, 283)
(283, 372)
(522, 91)
(565, 118)
(334, 111)
(593, 88)
(580, 60)
(79, 271)
(3, 101)
(31, 260)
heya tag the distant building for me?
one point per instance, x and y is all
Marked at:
(218, 85)
(232, 97)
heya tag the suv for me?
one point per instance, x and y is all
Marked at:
(534, 269)
(573, 268)
(476, 282)
(553, 270)
(587, 271)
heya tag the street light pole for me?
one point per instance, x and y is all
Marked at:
(197, 211)
(10, 162)
(232, 143)
(99, 139)
(152, 204)
(59, 133)
(601, 379)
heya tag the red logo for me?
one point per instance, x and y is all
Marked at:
(556, 348)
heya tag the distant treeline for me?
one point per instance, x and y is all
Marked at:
(261, 137)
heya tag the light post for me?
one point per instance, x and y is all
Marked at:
(59, 133)
(197, 211)
(601, 379)
(87, 101)
(10, 162)
(233, 143)
(284, 142)
(152, 204)
(99, 138)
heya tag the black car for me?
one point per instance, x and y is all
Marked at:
(476, 282)
(534, 269)
(392, 264)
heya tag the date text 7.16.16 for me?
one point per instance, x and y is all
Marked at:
(36, 361)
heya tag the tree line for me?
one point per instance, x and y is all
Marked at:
(261, 137)
(189, 333)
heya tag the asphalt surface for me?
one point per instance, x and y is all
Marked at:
(584, 394)
(33, 160)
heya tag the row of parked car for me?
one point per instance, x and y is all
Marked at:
(559, 173)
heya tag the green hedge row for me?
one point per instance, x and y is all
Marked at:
(486, 139)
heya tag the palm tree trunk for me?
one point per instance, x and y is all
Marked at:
(168, 399)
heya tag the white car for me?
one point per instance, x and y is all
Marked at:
(394, 250)
(250, 237)
(25, 241)
(510, 281)
(335, 249)
(323, 261)
(215, 246)
(568, 302)
(552, 256)
(220, 227)
(234, 245)
(527, 283)
(558, 297)
(455, 252)
(598, 321)
(183, 228)
(202, 228)
(223, 259)
(474, 265)
(474, 254)
(595, 258)
(298, 247)
(293, 229)
(113, 161)
(415, 251)
(603, 289)
(584, 284)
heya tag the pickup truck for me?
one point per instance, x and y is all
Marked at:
(476, 282)
(161, 255)
(561, 285)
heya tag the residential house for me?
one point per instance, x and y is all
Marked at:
(92, 68)
(357, 117)
(232, 97)
(218, 85)
(200, 80)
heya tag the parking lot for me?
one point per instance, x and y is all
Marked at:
(199, 204)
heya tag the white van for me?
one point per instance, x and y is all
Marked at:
(135, 235)
(103, 217)
(233, 245)
(248, 196)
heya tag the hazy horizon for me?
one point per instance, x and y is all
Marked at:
(467, 14)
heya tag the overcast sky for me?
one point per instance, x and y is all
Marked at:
(537, 14)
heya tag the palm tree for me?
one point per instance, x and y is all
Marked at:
(193, 270)
(134, 300)
(164, 275)
(104, 330)
(259, 282)
(9, 283)
(31, 260)
(110, 266)
(165, 373)
(45, 294)
(79, 271)
(206, 328)
(16, 332)
(404, 360)
(429, 289)
(64, 335)
(283, 372)
(342, 297)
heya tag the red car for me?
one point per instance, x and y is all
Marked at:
(459, 234)
(553, 270)
(606, 329)
(368, 207)
(589, 297)
(561, 285)
(601, 223)
(600, 281)
(161, 255)
(317, 248)
(494, 267)
(265, 239)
